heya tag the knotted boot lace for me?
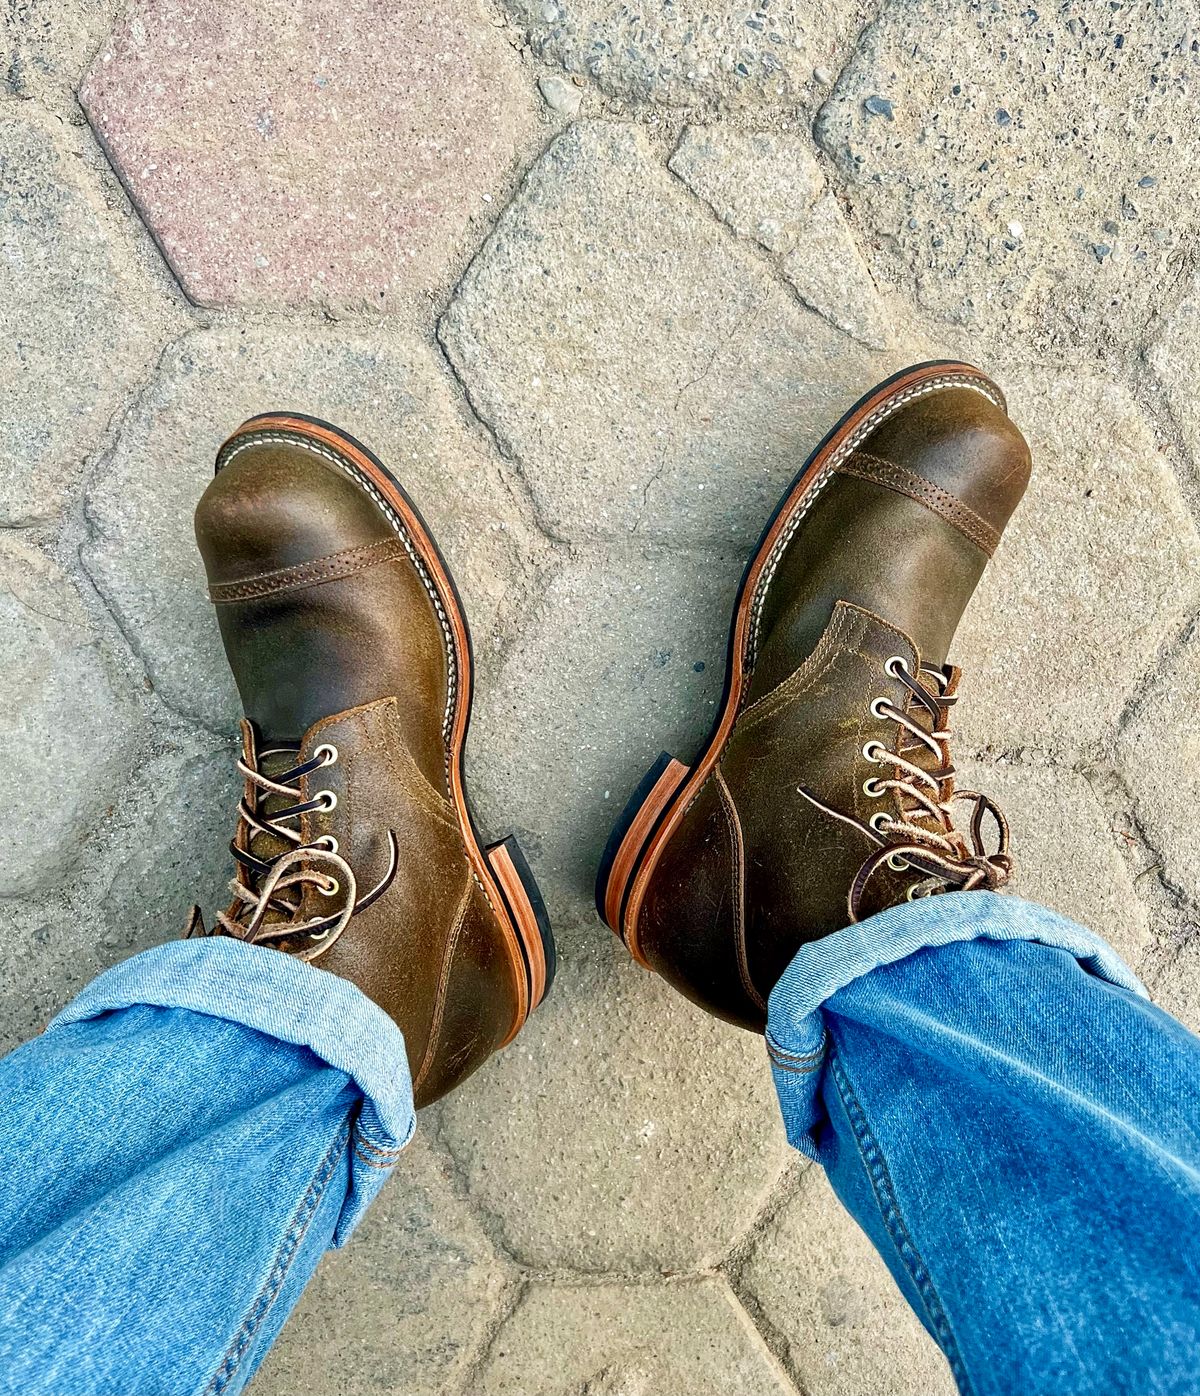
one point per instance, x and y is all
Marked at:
(269, 890)
(923, 836)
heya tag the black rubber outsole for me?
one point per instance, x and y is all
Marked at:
(532, 889)
(629, 813)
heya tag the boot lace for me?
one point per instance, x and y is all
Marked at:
(923, 837)
(269, 889)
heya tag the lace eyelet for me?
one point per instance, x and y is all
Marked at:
(878, 819)
(894, 663)
(898, 864)
(326, 841)
(869, 748)
(327, 753)
(320, 935)
(332, 889)
(873, 789)
(876, 707)
(326, 800)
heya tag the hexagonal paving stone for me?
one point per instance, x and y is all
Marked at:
(1159, 754)
(695, 55)
(624, 657)
(85, 327)
(387, 391)
(1067, 854)
(292, 150)
(769, 187)
(67, 730)
(824, 1288)
(1098, 566)
(624, 1129)
(1005, 191)
(630, 1340)
(1175, 358)
(162, 845)
(172, 849)
(403, 1307)
(650, 375)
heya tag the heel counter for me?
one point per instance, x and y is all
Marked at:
(690, 925)
(477, 1005)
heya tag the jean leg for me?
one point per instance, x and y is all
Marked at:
(180, 1147)
(1017, 1129)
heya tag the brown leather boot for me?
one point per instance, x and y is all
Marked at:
(355, 844)
(825, 793)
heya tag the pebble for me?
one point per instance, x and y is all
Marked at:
(1003, 118)
(878, 106)
(560, 95)
(823, 76)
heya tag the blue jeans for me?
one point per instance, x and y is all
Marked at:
(1012, 1122)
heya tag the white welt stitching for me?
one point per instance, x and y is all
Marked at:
(348, 468)
(851, 443)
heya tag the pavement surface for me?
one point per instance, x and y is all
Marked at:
(593, 278)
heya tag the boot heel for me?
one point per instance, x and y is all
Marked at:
(632, 832)
(523, 899)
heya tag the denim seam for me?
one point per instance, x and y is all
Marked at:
(363, 1141)
(377, 1162)
(778, 1053)
(283, 1261)
(876, 1169)
(795, 1070)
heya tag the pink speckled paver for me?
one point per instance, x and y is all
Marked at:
(287, 151)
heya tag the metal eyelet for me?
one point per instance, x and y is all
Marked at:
(326, 800)
(873, 789)
(878, 819)
(894, 663)
(333, 888)
(320, 935)
(878, 704)
(326, 753)
(326, 841)
(869, 748)
(896, 863)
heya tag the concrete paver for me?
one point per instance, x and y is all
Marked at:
(292, 151)
(1098, 568)
(723, 55)
(616, 1340)
(707, 383)
(624, 1131)
(83, 328)
(1004, 193)
(821, 1285)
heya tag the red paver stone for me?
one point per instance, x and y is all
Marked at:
(300, 150)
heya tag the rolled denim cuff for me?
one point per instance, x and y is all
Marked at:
(796, 1036)
(291, 1001)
